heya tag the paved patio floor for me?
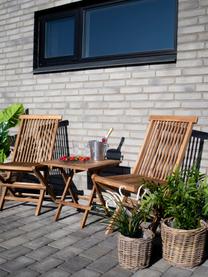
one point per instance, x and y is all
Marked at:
(36, 246)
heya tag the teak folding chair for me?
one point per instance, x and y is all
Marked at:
(163, 150)
(34, 144)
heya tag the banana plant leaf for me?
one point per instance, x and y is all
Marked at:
(9, 118)
(11, 114)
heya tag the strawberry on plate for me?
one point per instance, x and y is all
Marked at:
(74, 158)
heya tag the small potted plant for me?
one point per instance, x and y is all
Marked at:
(134, 241)
(183, 204)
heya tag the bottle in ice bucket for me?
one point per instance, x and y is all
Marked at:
(105, 138)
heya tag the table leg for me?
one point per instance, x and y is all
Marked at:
(65, 177)
(66, 189)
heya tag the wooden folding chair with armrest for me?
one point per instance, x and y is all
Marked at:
(34, 144)
(163, 150)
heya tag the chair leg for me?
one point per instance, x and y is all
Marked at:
(2, 200)
(40, 201)
(84, 219)
(109, 228)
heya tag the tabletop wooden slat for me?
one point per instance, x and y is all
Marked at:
(81, 165)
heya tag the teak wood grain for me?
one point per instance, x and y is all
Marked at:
(34, 144)
(91, 167)
(162, 152)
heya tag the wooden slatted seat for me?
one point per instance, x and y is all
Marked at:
(34, 144)
(163, 150)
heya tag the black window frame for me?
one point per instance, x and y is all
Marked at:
(77, 62)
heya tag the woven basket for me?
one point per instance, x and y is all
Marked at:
(135, 253)
(183, 248)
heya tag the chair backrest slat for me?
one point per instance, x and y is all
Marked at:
(164, 146)
(36, 138)
(194, 150)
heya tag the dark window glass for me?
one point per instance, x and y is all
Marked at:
(103, 33)
(59, 37)
(137, 26)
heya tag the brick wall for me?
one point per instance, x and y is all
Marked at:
(95, 100)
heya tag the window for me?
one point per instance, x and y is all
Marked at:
(59, 37)
(93, 34)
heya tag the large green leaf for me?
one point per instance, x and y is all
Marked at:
(9, 118)
(11, 114)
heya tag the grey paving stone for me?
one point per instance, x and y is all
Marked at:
(177, 272)
(114, 253)
(32, 226)
(201, 271)
(205, 263)
(93, 228)
(160, 265)
(38, 242)
(118, 271)
(80, 233)
(99, 235)
(72, 219)
(95, 252)
(36, 233)
(25, 273)
(71, 251)
(11, 225)
(3, 273)
(2, 249)
(14, 242)
(56, 273)
(67, 252)
(11, 234)
(18, 263)
(46, 264)
(2, 260)
(147, 273)
(75, 264)
(72, 226)
(65, 241)
(60, 233)
(15, 252)
(110, 242)
(86, 273)
(103, 264)
(8, 220)
(42, 253)
(87, 243)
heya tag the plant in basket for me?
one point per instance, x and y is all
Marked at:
(134, 241)
(183, 204)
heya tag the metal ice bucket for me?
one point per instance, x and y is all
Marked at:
(97, 150)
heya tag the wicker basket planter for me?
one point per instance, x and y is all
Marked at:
(135, 253)
(183, 248)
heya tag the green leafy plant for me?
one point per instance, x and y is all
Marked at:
(184, 198)
(152, 205)
(127, 220)
(9, 117)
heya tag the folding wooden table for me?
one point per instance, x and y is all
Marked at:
(75, 167)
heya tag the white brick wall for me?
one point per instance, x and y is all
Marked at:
(95, 100)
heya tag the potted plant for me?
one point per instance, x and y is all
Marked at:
(9, 117)
(134, 240)
(183, 204)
